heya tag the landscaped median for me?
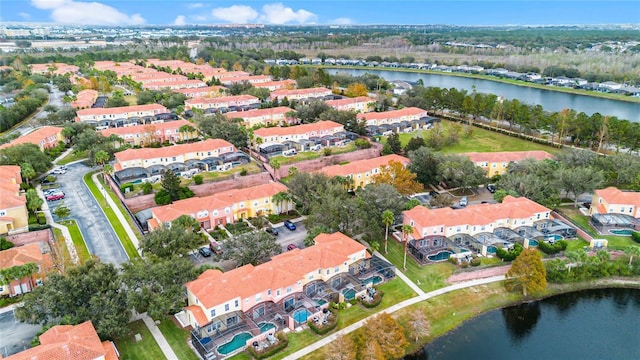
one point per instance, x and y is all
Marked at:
(78, 239)
(121, 233)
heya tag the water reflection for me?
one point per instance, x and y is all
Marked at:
(520, 320)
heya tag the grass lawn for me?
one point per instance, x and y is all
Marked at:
(61, 246)
(113, 219)
(73, 156)
(146, 349)
(177, 339)
(78, 240)
(615, 242)
(481, 140)
(428, 277)
(131, 99)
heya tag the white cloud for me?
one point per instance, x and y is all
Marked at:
(279, 14)
(195, 5)
(238, 14)
(24, 15)
(86, 13)
(341, 21)
(180, 20)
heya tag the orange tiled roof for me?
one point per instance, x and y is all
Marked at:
(277, 84)
(280, 110)
(202, 90)
(214, 287)
(311, 91)
(220, 99)
(613, 195)
(20, 255)
(410, 111)
(349, 101)
(122, 109)
(10, 180)
(228, 74)
(85, 98)
(69, 342)
(183, 83)
(137, 129)
(480, 214)
(298, 129)
(35, 137)
(219, 200)
(169, 151)
(362, 166)
(507, 156)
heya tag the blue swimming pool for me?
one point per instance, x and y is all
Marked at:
(266, 326)
(533, 242)
(301, 315)
(375, 280)
(239, 341)
(441, 256)
(321, 302)
(622, 232)
(492, 249)
(349, 294)
(554, 237)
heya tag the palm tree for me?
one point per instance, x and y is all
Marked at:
(27, 171)
(406, 230)
(632, 251)
(387, 220)
(186, 130)
(281, 198)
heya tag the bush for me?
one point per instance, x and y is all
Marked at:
(511, 254)
(186, 193)
(475, 262)
(198, 179)
(270, 351)
(162, 197)
(362, 143)
(126, 186)
(549, 249)
(377, 299)
(635, 236)
(453, 260)
(38, 227)
(5, 244)
(243, 172)
(326, 151)
(323, 329)
(147, 188)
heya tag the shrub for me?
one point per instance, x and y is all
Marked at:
(635, 236)
(377, 299)
(326, 151)
(198, 179)
(5, 244)
(475, 262)
(126, 186)
(186, 193)
(511, 254)
(362, 143)
(243, 172)
(453, 260)
(147, 188)
(549, 249)
(323, 329)
(34, 227)
(162, 197)
(270, 351)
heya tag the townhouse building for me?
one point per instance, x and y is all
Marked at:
(84, 99)
(229, 74)
(207, 91)
(144, 135)
(98, 115)
(14, 217)
(277, 85)
(363, 172)
(393, 116)
(37, 253)
(53, 68)
(251, 79)
(174, 85)
(222, 103)
(360, 104)
(301, 94)
(280, 135)
(64, 342)
(264, 117)
(156, 77)
(45, 137)
(612, 200)
(496, 163)
(223, 208)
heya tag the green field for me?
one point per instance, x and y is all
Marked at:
(310, 155)
(146, 349)
(73, 156)
(78, 240)
(177, 339)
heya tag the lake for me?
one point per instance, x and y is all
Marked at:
(591, 324)
(549, 99)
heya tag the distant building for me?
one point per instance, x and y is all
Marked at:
(14, 217)
(36, 253)
(84, 99)
(46, 137)
(363, 172)
(496, 163)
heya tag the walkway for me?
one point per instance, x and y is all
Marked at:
(404, 277)
(116, 210)
(320, 343)
(162, 342)
(73, 254)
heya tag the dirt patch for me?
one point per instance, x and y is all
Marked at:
(478, 274)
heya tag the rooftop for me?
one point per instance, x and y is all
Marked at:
(298, 129)
(170, 151)
(362, 166)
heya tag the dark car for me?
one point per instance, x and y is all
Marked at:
(433, 193)
(291, 247)
(204, 251)
(491, 188)
(289, 225)
(272, 231)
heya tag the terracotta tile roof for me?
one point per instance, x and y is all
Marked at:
(139, 129)
(248, 78)
(123, 109)
(20, 255)
(201, 318)
(175, 150)
(227, 74)
(280, 84)
(214, 287)
(68, 342)
(202, 91)
(362, 166)
(349, 101)
(220, 99)
(410, 111)
(280, 110)
(179, 83)
(85, 98)
(298, 129)
(613, 195)
(311, 91)
(480, 214)
(35, 137)
(10, 180)
(507, 156)
(219, 200)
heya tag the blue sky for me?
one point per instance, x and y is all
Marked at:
(185, 12)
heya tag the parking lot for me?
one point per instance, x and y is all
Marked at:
(15, 336)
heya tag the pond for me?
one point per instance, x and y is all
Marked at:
(591, 324)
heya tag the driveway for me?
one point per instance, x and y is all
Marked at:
(286, 236)
(98, 234)
(15, 336)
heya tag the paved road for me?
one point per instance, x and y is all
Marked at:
(14, 335)
(286, 236)
(98, 233)
(55, 99)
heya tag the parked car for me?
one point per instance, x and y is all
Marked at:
(204, 251)
(291, 247)
(464, 201)
(289, 225)
(53, 192)
(272, 231)
(55, 197)
(48, 179)
(215, 248)
(59, 171)
(433, 193)
(491, 188)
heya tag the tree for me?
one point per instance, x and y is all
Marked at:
(418, 324)
(440, 201)
(62, 211)
(219, 127)
(171, 184)
(393, 141)
(170, 241)
(251, 248)
(34, 202)
(91, 291)
(387, 220)
(23, 154)
(424, 163)
(578, 180)
(406, 231)
(5, 244)
(281, 198)
(117, 100)
(400, 177)
(27, 171)
(459, 171)
(157, 287)
(356, 89)
(528, 272)
(414, 143)
(387, 333)
(632, 251)
(342, 348)
(101, 157)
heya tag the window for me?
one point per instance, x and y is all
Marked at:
(411, 223)
(3, 212)
(226, 307)
(213, 312)
(328, 271)
(336, 269)
(278, 292)
(494, 165)
(269, 292)
(311, 277)
(237, 303)
(319, 271)
(622, 209)
(258, 297)
(266, 201)
(288, 289)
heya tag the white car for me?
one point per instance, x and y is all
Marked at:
(59, 171)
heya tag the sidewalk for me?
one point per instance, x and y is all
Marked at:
(73, 254)
(320, 343)
(404, 277)
(157, 335)
(119, 215)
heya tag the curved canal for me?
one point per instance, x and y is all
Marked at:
(549, 99)
(590, 324)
